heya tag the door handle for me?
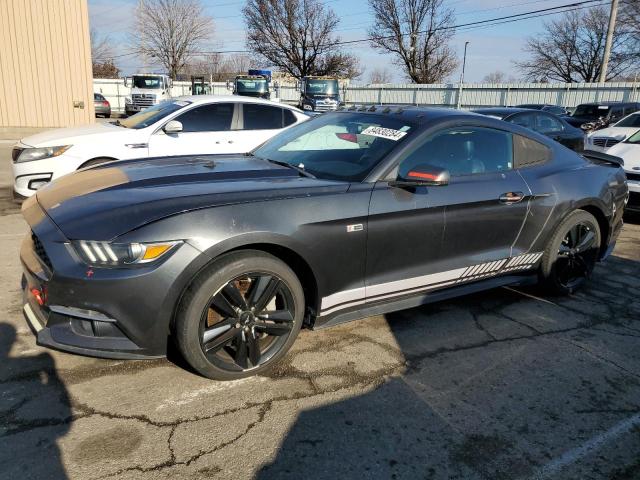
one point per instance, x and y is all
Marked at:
(511, 197)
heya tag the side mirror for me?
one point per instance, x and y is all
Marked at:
(173, 126)
(127, 81)
(423, 175)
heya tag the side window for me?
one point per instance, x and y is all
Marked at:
(528, 153)
(464, 151)
(547, 124)
(215, 117)
(523, 119)
(616, 114)
(261, 117)
(289, 117)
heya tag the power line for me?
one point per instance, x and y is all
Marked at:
(465, 26)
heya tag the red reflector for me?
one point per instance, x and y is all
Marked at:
(38, 295)
(349, 137)
(423, 175)
(105, 103)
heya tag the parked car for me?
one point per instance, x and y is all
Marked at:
(629, 151)
(542, 122)
(101, 106)
(605, 112)
(353, 213)
(185, 126)
(555, 109)
(602, 140)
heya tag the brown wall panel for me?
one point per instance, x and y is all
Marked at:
(45, 63)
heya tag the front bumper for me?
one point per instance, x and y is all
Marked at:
(101, 312)
(634, 196)
(29, 176)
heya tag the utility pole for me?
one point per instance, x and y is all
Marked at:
(464, 61)
(607, 46)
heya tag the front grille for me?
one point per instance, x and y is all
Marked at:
(326, 108)
(605, 142)
(633, 176)
(15, 153)
(143, 99)
(40, 251)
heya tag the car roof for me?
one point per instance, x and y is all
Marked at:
(503, 111)
(610, 104)
(412, 113)
(198, 99)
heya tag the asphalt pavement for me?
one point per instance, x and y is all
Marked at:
(503, 384)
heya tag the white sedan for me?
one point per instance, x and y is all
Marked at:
(602, 140)
(191, 125)
(629, 151)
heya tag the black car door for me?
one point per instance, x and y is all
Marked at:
(424, 237)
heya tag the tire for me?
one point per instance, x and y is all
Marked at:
(96, 161)
(220, 341)
(571, 254)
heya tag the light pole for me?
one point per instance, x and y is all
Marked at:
(464, 61)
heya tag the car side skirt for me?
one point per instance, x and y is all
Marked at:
(411, 300)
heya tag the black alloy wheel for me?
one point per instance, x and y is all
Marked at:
(577, 256)
(247, 321)
(240, 315)
(571, 254)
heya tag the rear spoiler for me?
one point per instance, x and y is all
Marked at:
(603, 157)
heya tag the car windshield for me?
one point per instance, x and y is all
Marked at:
(250, 85)
(630, 121)
(591, 111)
(147, 82)
(338, 146)
(322, 87)
(635, 138)
(151, 115)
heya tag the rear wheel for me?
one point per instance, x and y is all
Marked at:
(240, 316)
(571, 254)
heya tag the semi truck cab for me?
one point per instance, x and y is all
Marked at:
(319, 94)
(146, 90)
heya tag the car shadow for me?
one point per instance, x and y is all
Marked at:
(35, 412)
(496, 385)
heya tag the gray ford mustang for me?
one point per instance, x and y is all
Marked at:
(353, 213)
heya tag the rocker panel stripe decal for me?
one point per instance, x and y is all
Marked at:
(357, 296)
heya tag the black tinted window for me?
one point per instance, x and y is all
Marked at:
(215, 117)
(528, 152)
(261, 117)
(289, 117)
(547, 124)
(523, 119)
(464, 151)
(98, 97)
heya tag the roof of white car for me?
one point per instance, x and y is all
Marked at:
(231, 98)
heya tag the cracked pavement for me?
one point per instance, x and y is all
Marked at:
(499, 385)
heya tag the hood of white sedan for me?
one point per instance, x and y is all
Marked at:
(630, 153)
(620, 133)
(75, 135)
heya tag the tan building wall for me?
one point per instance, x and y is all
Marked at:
(45, 63)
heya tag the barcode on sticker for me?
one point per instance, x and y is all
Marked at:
(388, 133)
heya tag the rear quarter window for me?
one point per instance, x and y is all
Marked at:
(529, 153)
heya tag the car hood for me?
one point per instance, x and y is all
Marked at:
(614, 132)
(74, 135)
(103, 202)
(630, 153)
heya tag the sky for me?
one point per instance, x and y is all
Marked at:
(491, 48)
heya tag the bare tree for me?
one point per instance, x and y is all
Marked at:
(629, 23)
(498, 77)
(417, 33)
(380, 75)
(571, 49)
(102, 62)
(170, 31)
(297, 36)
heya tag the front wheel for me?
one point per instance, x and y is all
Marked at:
(240, 316)
(571, 254)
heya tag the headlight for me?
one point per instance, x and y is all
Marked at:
(31, 154)
(120, 254)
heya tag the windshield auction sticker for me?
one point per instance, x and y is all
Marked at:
(388, 133)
